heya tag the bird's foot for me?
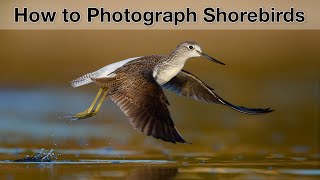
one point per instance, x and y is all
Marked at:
(83, 115)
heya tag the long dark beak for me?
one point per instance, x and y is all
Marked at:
(210, 58)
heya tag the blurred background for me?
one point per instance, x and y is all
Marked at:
(276, 69)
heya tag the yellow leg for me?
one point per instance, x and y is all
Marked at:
(89, 112)
(101, 101)
(95, 100)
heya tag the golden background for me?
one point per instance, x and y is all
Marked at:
(277, 69)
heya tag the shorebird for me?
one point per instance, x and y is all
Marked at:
(136, 86)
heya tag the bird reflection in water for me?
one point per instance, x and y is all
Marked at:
(153, 173)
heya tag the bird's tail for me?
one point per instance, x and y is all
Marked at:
(83, 80)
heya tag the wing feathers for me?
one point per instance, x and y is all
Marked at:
(148, 114)
(188, 85)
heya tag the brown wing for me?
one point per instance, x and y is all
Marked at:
(144, 103)
(186, 84)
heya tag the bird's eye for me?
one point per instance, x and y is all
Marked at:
(191, 47)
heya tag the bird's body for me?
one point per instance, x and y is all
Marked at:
(162, 74)
(135, 85)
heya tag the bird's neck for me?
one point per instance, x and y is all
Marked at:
(176, 59)
(169, 68)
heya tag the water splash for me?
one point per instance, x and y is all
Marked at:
(39, 157)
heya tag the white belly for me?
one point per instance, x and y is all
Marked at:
(163, 76)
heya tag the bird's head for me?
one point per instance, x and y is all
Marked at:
(191, 49)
